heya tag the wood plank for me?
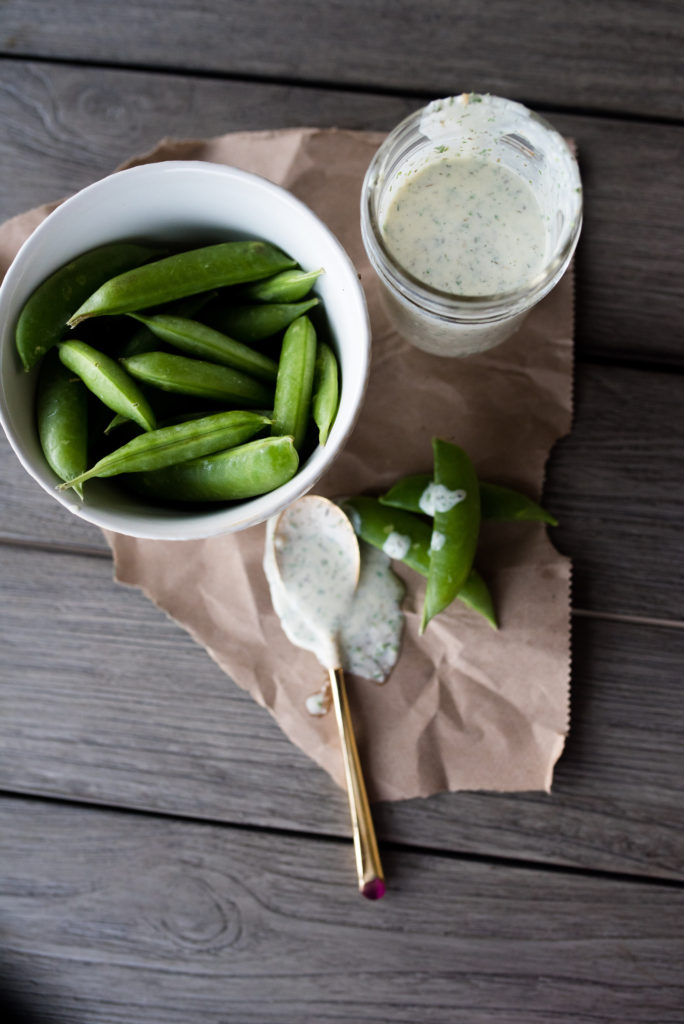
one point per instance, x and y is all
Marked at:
(104, 699)
(614, 483)
(112, 918)
(620, 56)
(66, 127)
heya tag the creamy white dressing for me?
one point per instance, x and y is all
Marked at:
(466, 226)
(438, 498)
(437, 541)
(397, 545)
(319, 704)
(308, 566)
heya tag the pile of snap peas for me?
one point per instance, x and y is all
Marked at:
(216, 375)
(431, 522)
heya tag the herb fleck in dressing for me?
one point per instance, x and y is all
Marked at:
(466, 226)
(308, 566)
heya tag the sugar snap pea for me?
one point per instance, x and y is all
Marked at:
(456, 527)
(243, 472)
(198, 377)
(108, 381)
(184, 273)
(325, 390)
(44, 316)
(167, 446)
(62, 416)
(287, 286)
(206, 343)
(292, 402)
(416, 493)
(256, 322)
(406, 537)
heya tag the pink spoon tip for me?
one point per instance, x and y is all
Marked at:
(374, 890)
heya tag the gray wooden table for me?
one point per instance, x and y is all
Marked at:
(166, 856)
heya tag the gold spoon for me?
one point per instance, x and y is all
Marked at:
(315, 549)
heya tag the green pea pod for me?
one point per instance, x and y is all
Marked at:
(243, 472)
(292, 403)
(44, 316)
(108, 381)
(287, 286)
(62, 416)
(456, 527)
(255, 323)
(406, 536)
(167, 446)
(185, 376)
(507, 505)
(185, 273)
(415, 494)
(206, 343)
(325, 390)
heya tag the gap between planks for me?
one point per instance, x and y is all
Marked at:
(331, 85)
(386, 846)
(85, 551)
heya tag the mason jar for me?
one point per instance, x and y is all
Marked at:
(471, 210)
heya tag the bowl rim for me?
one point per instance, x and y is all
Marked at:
(169, 525)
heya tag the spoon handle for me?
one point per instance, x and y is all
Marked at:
(368, 866)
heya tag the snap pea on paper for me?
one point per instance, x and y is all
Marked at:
(287, 286)
(406, 536)
(242, 472)
(292, 402)
(62, 417)
(206, 343)
(456, 527)
(108, 381)
(184, 273)
(255, 323)
(502, 504)
(167, 446)
(198, 377)
(45, 314)
(325, 390)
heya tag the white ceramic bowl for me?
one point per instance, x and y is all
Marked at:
(195, 203)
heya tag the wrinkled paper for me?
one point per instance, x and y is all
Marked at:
(465, 707)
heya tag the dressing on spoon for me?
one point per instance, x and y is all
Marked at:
(313, 551)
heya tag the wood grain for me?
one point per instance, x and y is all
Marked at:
(67, 126)
(621, 55)
(130, 918)
(104, 699)
(613, 483)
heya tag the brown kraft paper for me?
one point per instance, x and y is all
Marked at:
(466, 707)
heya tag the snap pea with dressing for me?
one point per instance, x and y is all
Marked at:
(415, 493)
(406, 537)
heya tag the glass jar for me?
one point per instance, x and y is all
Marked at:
(512, 141)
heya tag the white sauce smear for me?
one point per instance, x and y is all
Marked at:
(397, 545)
(438, 498)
